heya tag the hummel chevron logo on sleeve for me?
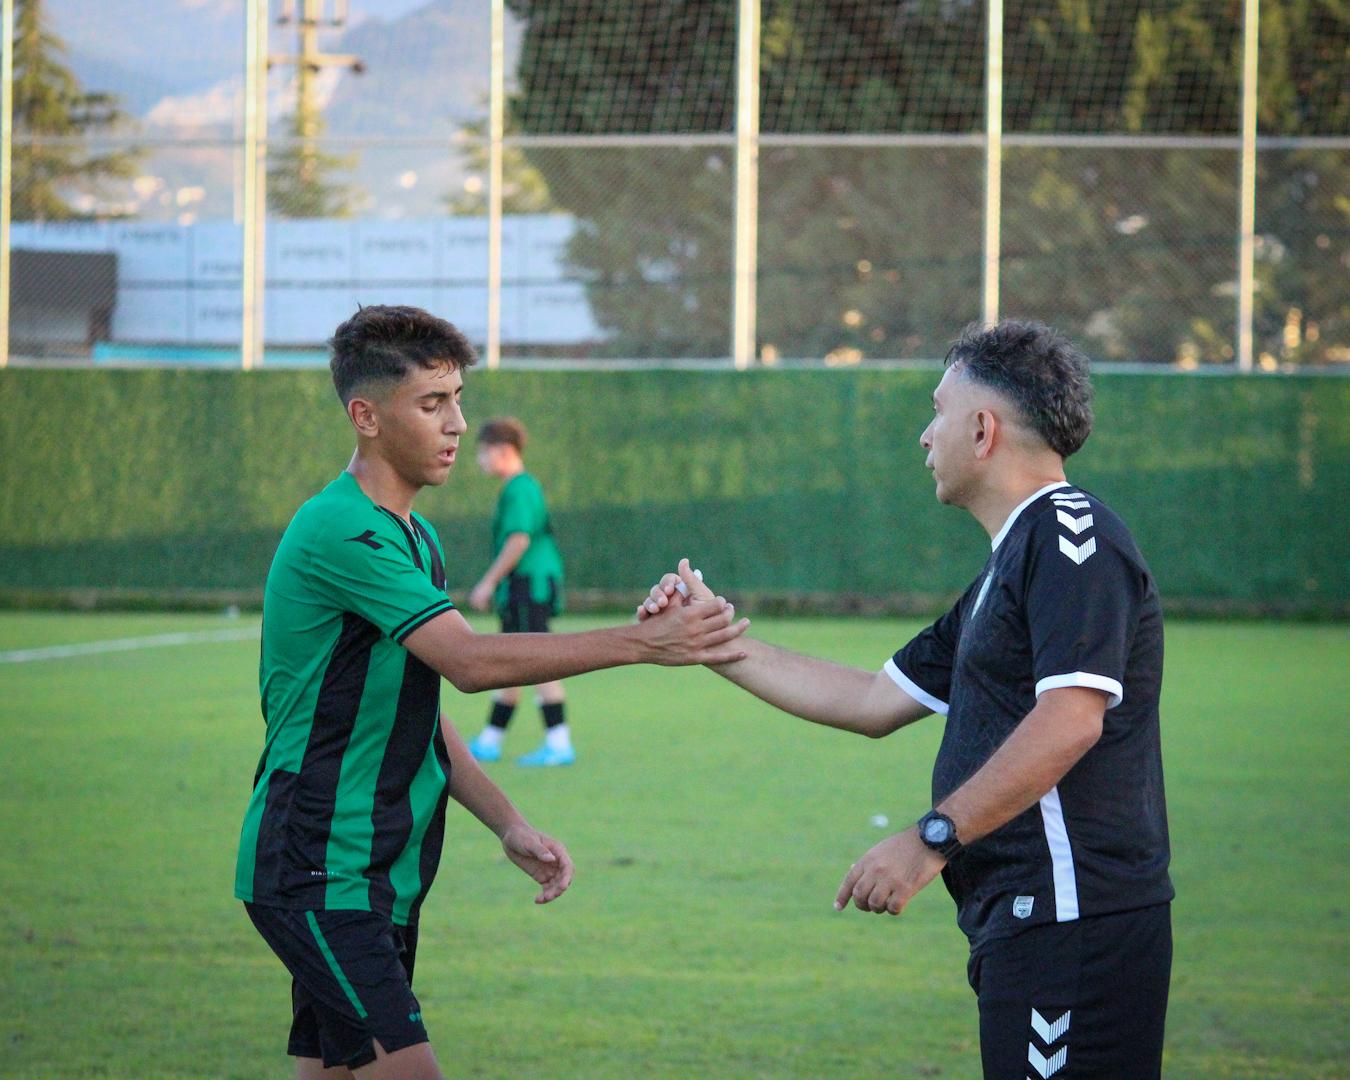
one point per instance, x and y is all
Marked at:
(1049, 1033)
(1079, 553)
(1074, 524)
(367, 538)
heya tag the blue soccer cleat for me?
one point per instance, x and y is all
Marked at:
(546, 757)
(484, 751)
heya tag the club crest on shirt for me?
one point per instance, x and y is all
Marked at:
(1022, 906)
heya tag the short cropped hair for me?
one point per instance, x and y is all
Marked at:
(380, 344)
(503, 431)
(1039, 370)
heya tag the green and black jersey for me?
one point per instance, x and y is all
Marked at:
(348, 805)
(521, 509)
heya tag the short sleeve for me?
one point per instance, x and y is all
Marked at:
(374, 574)
(522, 507)
(1083, 602)
(923, 668)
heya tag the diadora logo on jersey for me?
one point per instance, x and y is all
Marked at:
(1067, 505)
(1022, 906)
(367, 538)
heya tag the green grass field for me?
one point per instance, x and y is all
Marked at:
(710, 834)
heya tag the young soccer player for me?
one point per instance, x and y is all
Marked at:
(343, 832)
(1048, 820)
(525, 582)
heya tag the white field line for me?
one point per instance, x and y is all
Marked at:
(154, 641)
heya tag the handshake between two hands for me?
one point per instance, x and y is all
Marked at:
(705, 623)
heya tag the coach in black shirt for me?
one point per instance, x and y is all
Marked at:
(1049, 824)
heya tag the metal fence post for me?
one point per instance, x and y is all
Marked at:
(993, 160)
(1246, 307)
(496, 132)
(254, 210)
(6, 170)
(746, 256)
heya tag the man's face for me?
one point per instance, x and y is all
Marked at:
(421, 424)
(950, 438)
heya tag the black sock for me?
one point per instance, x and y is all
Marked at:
(553, 714)
(501, 714)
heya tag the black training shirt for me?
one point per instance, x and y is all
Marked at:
(1065, 600)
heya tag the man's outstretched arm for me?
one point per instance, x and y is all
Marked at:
(835, 695)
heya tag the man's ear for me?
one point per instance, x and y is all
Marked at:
(987, 432)
(361, 412)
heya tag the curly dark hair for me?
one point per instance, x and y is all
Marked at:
(1039, 370)
(380, 344)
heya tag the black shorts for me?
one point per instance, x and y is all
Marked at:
(522, 615)
(351, 975)
(1078, 999)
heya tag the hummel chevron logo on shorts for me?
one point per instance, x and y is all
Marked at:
(1049, 1033)
(1046, 1065)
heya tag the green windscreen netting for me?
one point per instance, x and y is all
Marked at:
(791, 482)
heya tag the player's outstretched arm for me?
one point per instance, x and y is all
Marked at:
(697, 633)
(835, 695)
(540, 856)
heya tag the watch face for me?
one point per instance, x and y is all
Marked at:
(936, 831)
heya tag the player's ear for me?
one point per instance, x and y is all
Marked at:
(361, 412)
(986, 431)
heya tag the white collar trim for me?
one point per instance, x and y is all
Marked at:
(1022, 506)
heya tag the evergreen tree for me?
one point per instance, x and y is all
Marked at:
(52, 116)
(300, 181)
(524, 189)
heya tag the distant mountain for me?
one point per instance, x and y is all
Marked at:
(426, 62)
(154, 48)
(178, 66)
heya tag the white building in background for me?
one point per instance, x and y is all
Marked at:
(181, 284)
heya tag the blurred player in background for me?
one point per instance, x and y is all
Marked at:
(342, 835)
(1048, 820)
(524, 583)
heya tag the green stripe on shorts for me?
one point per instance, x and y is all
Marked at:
(333, 966)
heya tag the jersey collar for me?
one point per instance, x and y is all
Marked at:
(1022, 506)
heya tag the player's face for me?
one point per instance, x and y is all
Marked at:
(949, 438)
(490, 459)
(421, 424)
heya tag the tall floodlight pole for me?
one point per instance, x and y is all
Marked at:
(254, 206)
(746, 256)
(993, 160)
(6, 171)
(1246, 308)
(496, 133)
(308, 62)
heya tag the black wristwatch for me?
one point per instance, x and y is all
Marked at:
(939, 834)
